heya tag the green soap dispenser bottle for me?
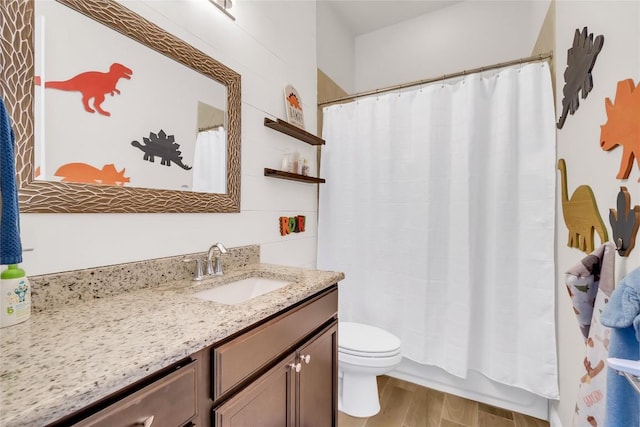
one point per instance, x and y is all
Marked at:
(15, 296)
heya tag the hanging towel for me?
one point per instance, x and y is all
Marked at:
(10, 245)
(622, 314)
(210, 162)
(590, 284)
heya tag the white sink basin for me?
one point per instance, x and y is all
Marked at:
(241, 290)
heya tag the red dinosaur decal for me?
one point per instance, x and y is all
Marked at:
(87, 174)
(94, 84)
(623, 126)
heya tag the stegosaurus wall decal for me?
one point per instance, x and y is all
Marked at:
(163, 146)
(581, 58)
(624, 223)
(623, 125)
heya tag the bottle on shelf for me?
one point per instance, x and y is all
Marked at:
(305, 167)
(286, 162)
(295, 163)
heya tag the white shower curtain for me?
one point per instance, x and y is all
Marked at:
(210, 161)
(439, 208)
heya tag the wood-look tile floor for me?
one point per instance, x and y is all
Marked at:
(404, 404)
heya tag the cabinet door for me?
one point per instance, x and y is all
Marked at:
(266, 402)
(317, 399)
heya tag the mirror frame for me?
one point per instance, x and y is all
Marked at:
(17, 86)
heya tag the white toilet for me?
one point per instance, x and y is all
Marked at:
(364, 352)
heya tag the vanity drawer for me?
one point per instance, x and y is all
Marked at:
(246, 354)
(171, 401)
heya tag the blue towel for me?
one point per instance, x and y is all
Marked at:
(622, 314)
(10, 245)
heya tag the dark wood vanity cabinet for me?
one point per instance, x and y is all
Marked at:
(280, 372)
(298, 391)
(283, 372)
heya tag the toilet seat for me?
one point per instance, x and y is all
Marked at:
(361, 340)
(369, 354)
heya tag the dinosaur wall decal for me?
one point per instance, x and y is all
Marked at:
(163, 146)
(581, 58)
(94, 85)
(623, 125)
(87, 174)
(624, 223)
(581, 214)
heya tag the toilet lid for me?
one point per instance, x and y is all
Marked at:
(360, 339)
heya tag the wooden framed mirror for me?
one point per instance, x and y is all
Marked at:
(17, 84)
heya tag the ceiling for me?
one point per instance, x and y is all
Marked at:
(364, 16)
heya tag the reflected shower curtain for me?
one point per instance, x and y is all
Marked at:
(210, 161)
(439, 207)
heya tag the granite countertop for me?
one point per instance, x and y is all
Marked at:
(63, 359)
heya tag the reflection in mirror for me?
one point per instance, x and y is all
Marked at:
(210, 153)
(136, 126)
(121, 114)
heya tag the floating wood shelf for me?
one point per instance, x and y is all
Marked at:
(292, 176)
(294, 131)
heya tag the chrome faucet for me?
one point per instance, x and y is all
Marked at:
(214, 265)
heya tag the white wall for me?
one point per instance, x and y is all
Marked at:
(587, 163)
(462, 36)
(336, 47)
(270, 44)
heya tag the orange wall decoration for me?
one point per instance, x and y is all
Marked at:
(623, 126)
(87, 174)
(293, 224)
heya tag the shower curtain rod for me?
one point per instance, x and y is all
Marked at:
(209, 128)
(535, 58)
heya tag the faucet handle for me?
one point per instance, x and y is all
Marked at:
(197, 274)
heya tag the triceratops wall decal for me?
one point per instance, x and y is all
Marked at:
(623, 125)
(581, 58)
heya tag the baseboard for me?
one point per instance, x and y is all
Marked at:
(554, 417)
(475, 387)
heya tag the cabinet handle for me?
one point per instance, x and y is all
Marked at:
(305, 358)
(146, 422)
(295, 366)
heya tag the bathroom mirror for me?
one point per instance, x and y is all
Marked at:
(142, 132)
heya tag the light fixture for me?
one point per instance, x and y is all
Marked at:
(224, 6)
